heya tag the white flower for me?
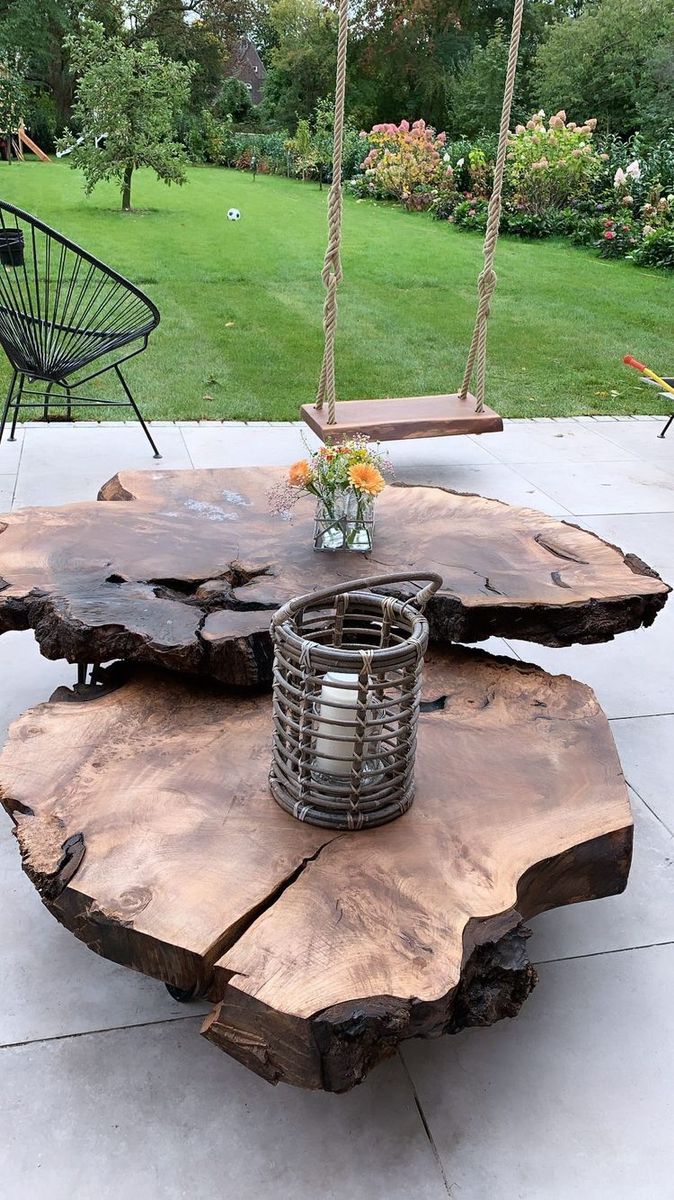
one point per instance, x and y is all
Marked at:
(460, 162)
(446, 158)
(634, 170)
(620, 178)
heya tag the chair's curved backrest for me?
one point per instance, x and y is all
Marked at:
(60, 308)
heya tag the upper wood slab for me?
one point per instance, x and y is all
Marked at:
(186, 572)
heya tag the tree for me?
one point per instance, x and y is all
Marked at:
(13, 97)
(132, 95)
(476, 92)
(605, 62)
(656, 96)
(302, 63)
(34, 34)
(233, 100)
(205, 41)
(405, 54)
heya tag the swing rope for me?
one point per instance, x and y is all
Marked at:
(487, 278)
(332, 263)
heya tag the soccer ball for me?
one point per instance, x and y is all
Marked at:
(233, 214)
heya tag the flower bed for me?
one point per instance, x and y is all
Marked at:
(559, 182)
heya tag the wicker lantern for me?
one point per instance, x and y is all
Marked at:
(347, 681)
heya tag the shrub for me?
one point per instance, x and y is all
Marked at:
(444, 204)
(656, 250)
(404, 159)
(471, 214)
(268, 148)
(550, 165)
(303, 150)
(618, 238)
(527, 225)
(480, 172)
(587, 231)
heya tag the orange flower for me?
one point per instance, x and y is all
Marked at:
(366, 479)
(300, 473)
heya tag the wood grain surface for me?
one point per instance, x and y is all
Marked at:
(402, 418)
(185, 574)
(144, 820)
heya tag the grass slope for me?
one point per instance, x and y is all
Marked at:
(241, 302)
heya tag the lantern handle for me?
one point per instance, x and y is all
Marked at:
(419, 601)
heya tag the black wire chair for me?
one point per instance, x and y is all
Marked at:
(61, 310)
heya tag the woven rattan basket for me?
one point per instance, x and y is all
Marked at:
(347, 682)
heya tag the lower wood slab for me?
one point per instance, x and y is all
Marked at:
(144, 820)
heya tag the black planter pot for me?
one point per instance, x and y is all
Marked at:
(11, 247)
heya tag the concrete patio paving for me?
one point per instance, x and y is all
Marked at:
(107, 1090)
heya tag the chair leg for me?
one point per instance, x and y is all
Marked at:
(8, 401)
(69, 407)
(137, 411)
(16, 403)
(661, 435)
(45, 407)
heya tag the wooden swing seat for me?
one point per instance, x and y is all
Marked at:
(402, 418)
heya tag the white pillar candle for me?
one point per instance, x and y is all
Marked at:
(336, 704)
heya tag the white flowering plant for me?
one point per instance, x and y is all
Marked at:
(552, 162)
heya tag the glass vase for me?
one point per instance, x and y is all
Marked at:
(330, 522)
(359, 522)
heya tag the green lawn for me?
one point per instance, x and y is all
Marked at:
(241, 302)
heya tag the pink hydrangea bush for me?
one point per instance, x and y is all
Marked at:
(407, 163)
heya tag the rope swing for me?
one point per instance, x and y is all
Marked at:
(421, 416)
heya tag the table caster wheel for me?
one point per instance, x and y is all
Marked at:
(183, 995)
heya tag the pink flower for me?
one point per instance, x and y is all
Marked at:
(556, 122)
(592, 123)
(609, 235)
(442, 138)
(405, 126)
(634, 170)
(620, 178)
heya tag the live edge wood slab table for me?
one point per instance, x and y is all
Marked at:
(141, 807)
(185, 573)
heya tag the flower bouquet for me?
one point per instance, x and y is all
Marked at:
(345, 479)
